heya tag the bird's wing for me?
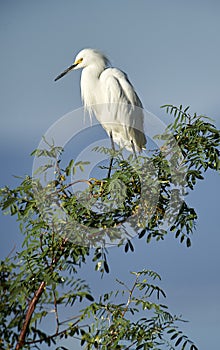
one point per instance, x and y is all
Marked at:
(128, 121)
(118, 88)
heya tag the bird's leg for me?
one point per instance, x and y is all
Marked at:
(133, 148)
(110, 167)
(112, 158)
(112, 141)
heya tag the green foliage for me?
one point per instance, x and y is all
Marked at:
(60, 226)
(198, 140)
(116, 326)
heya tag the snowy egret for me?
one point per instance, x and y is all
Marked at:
(107, 93)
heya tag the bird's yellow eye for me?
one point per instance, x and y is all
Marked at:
(79, 61)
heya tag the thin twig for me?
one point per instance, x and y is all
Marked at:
(131, 291)
(70, 319)
(10, 253)
(56, 312)
(54, 335)
(132, 344)
(77, 181)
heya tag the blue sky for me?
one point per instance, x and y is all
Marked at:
(170, 51)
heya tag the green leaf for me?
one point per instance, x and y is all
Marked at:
(126, 247)
(142, 233)
(188, 242)
(174, 336)
(106, 267)
(179, 341)
(172, 330)
(89, 297)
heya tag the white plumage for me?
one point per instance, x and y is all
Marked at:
(108, 94)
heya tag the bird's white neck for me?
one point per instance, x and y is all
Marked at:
(94, 69)
(89, 84)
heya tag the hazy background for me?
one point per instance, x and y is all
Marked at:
(171, 52)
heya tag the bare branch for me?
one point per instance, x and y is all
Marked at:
(29, 313)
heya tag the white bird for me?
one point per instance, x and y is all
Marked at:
(107, 93)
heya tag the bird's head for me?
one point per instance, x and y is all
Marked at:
(85, 58)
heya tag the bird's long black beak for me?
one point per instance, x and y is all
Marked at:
(66, 71)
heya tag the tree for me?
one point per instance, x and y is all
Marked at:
(61, 230)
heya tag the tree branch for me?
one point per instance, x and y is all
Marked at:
(29, 313)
